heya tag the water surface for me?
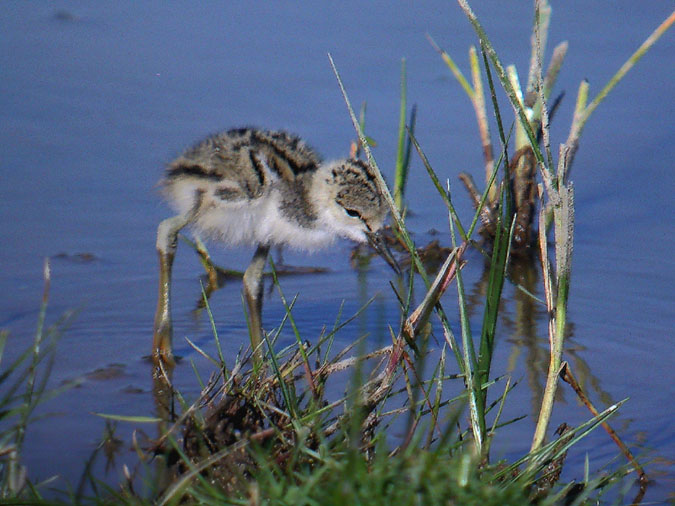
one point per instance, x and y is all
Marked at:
(96, 98)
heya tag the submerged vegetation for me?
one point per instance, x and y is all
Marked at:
(416, 418)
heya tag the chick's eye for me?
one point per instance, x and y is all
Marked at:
(353, 213)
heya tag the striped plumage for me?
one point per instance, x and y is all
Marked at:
(263, 188)
(269, 187)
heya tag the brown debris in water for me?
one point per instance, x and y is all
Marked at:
(432, 255)
(76, 258)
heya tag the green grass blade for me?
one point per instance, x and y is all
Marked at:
(401, 172)
(627, 66)
(453, 68)
(214, 330)
(511, 93)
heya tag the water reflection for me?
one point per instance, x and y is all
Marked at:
(163, 395)
(523, 323)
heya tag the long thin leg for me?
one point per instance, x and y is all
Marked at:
(207, 263)
(253, 293)
(167, 239)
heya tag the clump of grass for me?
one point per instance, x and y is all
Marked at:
(23, 388)
(556, 193)
(274, 434)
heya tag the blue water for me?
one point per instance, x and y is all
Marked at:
(97, 97)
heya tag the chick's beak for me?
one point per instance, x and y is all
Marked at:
(380, 246)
